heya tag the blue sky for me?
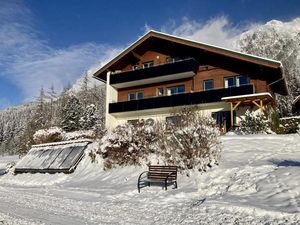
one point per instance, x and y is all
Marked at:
(44, 43)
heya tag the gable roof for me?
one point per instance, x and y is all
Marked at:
(268, 63)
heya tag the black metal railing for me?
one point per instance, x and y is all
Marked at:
(155, 71)
(180, 99)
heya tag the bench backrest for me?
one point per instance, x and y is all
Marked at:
(160, 172)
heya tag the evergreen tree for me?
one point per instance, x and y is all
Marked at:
(71, 113)
(84, 92)
(254, 123)
(89, 117)
(41, 116)
(51, 96)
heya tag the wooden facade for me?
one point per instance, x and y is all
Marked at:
(193, 84)
(130, 73)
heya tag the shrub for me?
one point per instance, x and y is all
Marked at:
(195, 145)
(254, 123)
(275, 123)
(53, 134)
(127, 144)
(92, 155)
(289, 125)
(81, 134)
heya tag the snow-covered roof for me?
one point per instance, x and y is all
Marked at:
(62, 143)
(53, 157)
(263, 94)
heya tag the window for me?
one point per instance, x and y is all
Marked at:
(160, 91)
(135, 67)
(169, 60)
(133, 122)
(172, 59)
(243, 80)
(176, 90)
(148, 64)
(230, 82)
(208, 85)
(236, 81)
(135, 96)
(173, 121)
(140, 95)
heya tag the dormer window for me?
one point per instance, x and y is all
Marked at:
(148, 64)
(170, 60)
(173, 59)
(135, 67)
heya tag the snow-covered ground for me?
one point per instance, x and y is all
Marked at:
(257, 182)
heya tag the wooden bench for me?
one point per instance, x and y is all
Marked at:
(165, 175)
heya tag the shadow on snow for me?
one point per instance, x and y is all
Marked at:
(286, 163)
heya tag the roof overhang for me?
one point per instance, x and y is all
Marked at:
(271, 68)
(265, 96)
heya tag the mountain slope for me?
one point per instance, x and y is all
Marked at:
(280, 41)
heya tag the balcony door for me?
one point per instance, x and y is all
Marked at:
(236, 81)
(176, 90)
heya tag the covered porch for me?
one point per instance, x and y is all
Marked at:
(260, 100)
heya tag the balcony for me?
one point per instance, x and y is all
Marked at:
(180, 99)
(155, 74)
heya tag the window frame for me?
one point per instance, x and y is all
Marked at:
(148, 64)
(247, 79)
(205, 81)
(177, 88)
(227, 78)
(135, 67)
(133, 122)
(158, 91)
(236, 81)
(136, 95)
(172, 121)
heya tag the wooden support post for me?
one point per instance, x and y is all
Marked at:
(232, 108)
(236, 105)
(231, 114)
(260, 105)
(255, 103)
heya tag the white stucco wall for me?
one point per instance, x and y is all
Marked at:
(161, 114)
(111, 96)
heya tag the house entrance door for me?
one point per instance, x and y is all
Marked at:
(223, 119)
